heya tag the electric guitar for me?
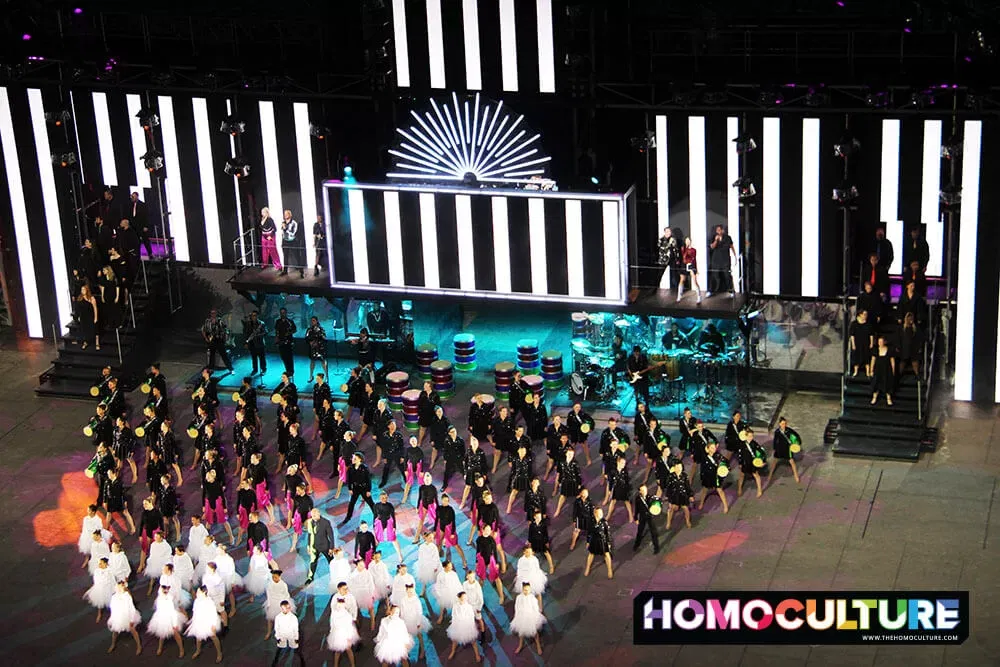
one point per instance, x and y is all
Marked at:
(638, 374)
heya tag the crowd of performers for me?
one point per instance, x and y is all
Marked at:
(254, 492)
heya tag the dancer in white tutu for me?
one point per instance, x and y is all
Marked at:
(99, 594)
(205, 623)
(169, 580)
(399, 584)
(183, 567)
(343, 631)
(259, 574)
(123, 617)
(286, 633)
(340, 569)
(351, 602)
(167, 621)
(380, 575)
(474, 596)
(446, 588)
(530, 571)
(91, 521)
(160, 553)
(393, 642)
(215, 586)
(196, 537)
(206, 552)
(412, 613)
(463, 629)
(118, 562)
(226, 567)
(277, 592)
(362, 587)
(98, 549)
(428, 563)
(528, 619)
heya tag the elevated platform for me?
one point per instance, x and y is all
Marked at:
(881, 431)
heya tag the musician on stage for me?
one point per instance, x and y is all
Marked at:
(316, 337)
(366, 349)
(215, 335)
(711, 340)
(668, 256)
(619, 355)
(254, 332)
(292, 244)
(284, 329)
(674, 338)
(319, 242)
(721, 249)
(636, 367)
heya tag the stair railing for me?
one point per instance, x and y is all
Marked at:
(145, 279)
(118, 338)
(131, 308)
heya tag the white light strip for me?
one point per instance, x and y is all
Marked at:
(272, 173)
(399, 39)
(394, 239)
(810, 207)
(889, 201)
(508, 46)
(968, 237)
(102, 120)
(206, 168)
(22, 233)
(236, 187)
(175, 193)
(76, 134)
(698, 197)
(733, 198)
(546, 48)
(662, 183)
(473, 64)
(307, 181)
(506, 192)
(353, 289)
(428, 239)
(50, 200)
(536, 236)
(466, 259)
(574, 246)
(930, 189)
(771, 218)
(501, 243)
(134, 105)
(435, 43)
(612, 251)
(359, 237)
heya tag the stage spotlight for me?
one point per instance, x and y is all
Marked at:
(318, 131)
(63, 160)
(237, 166)
(846, 147)
(644, 143)
(715, 97)
(153, 161)
(594, 180)
(952, 148)
(817, 97)
(147, 118)
(58, 118)
(746, 190)
(950, 196)
(744, 144)
(349, 174)
(877, 100)
(162, 78)
(845, 193)
(233, 126)
(771, 98)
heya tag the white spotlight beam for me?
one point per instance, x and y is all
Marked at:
(968, 237)
(771, 196)
(307, 180)
(810, 207)
(206, 168)
(889, 200)
(175, 193)
(930, 188)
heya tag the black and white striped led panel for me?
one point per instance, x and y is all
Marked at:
(497, 243)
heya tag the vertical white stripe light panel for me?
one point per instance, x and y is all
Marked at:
(771, 217)
(930, 203)
(393, 237)
(359, 240)
(662, 182)
(508, 46)
(272, 173)
(399, 40)
(546, 48)
(466, 260)
(435, 43)
(536, 237)
(473, 64)
(810, 207)
(236, 188)
(428, 239)
(698, 197)
(968, 237)
(76, 135)
(22, 233)
(612, 250)
(134, 105)
(175, 194)
(889, 201)
(501, 244)
(307, 186)
(50, 201)
(206, 168)
(574, 246)
(102, 120)
(733, 197)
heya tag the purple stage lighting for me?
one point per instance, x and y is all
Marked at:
(25, 37)
(77, 10)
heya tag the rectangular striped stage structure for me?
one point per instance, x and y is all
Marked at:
(505, 244)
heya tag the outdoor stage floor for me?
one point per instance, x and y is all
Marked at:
(850, 525)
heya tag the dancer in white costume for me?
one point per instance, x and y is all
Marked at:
(98, 549)
(399, 584)
(528, 619)
(412, 613)
(123, 617)
(340, 569)
(277, 591)
(463, 629)
(393, 642)
(169, 579)
(343, 632)
(362, 586)
(530, 571)
(91, 521)
(196, 537)
(474, 595)
(160, 553)
(381, 576)
(226, 567)
(99, 594)
(167, 621)
(446, 588)
(183, 567)
(428, 564)
(205, 623)
(259, 574)
(118, 562)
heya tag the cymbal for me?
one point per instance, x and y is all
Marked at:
(581, 344)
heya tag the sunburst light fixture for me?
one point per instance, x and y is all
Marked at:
(468, 141)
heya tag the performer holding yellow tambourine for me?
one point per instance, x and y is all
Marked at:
(787, 444)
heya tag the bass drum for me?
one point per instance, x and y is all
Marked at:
(672, 368)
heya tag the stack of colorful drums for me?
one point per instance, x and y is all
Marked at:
(581, 325)
(443, 378)
(504, 373)
(552, 369)
(427, 354)
(465, 352)
(396, 383)
(411, 403)
(535, 385)
(527, 356)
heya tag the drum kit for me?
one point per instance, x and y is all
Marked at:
(593, 357)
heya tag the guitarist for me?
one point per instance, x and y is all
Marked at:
(638, 363)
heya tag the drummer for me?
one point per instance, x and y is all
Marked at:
(711, 340)
(675, 339)
(620, 357)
